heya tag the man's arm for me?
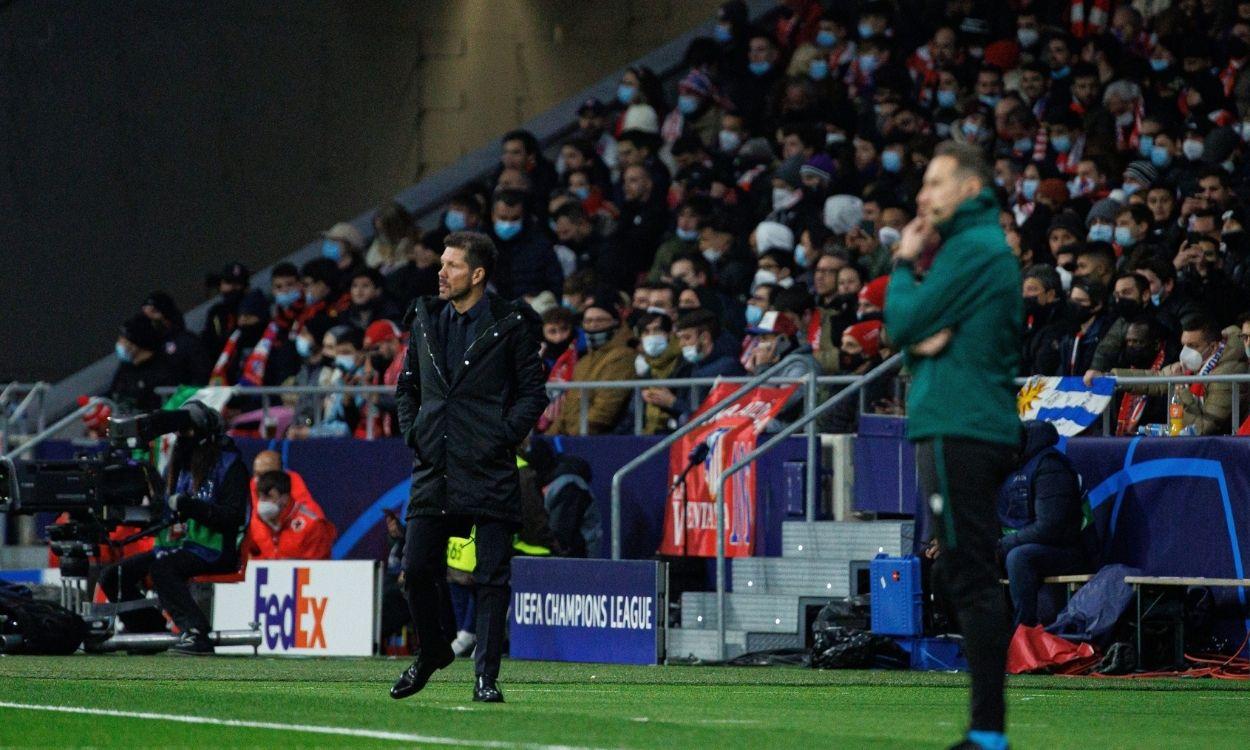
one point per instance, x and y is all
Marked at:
(229, 508)
(530, 381)
(1057, 492)
(1109, 349)
(605, 406)
(408, 391)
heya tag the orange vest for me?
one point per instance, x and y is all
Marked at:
(303, 531)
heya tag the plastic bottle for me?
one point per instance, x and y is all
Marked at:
(1176, 413)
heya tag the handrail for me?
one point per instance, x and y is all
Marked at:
(808, 419)
(33, 391)
(59, 425)
(685, 429)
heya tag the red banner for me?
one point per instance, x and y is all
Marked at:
(690, 513)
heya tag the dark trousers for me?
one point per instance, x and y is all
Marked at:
(1027, 565)
(169, 569)
(959, 479)
(425, 568)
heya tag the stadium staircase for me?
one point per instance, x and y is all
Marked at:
(774, 599)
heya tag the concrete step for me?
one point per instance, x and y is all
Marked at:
(845, 540)
(756, 613)
(792, 576)
(685, 644)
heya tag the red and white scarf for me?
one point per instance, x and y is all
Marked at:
(1200, 389)
(561, 372)
(1094, 23)
(1133, 404)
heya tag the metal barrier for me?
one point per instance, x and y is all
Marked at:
(35, 393)
(59, 425)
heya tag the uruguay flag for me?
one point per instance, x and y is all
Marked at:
(1065, 402)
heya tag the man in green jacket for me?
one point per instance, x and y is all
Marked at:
(961, 328)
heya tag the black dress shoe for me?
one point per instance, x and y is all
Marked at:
(486, 691)
(418, 673)
(192, 643)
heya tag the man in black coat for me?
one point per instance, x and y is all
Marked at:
(471, 390)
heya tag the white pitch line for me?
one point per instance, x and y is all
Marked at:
(374, 734)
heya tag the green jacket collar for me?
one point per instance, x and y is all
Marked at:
(982, 208)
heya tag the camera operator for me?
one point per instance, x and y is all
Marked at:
(207, 505)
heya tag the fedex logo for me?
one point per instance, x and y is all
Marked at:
(292, 620)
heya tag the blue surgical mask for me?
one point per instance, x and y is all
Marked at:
(754, 315)
(687, 235)
(729, 141)
(864, 29)
(947, 98)
(800, 256)
(1129, 188)
(1228, 166)
(1156, 298)
(1192, 149)
(1158, 65)
(625, 93)
(303, 346)
(760, 68)
(818, 69)
(868, 63)
(1144, 144)
(345, 362)
(1028, 188)
(331, 249)
(1062, 143)
(1023, 144)
(123, 354)
(1160, 156)
(989, 100)
(286, 299)
(582, 193)
(455, 220)
(308, 297)
(1124, 237)
(970, 129)
(691, 354)
(1101, 233)
(1060, 74)
(506, 230)
(654, 344)
(826, 39)
(687, 104)
(891, 162)
(723, 34)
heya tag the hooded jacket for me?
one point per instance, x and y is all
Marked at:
(1040, 503)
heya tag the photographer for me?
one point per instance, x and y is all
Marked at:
(207, 488)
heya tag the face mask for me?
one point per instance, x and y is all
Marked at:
(506, 230)
(654, 344)
(1158, 65)
(582, 193)
(1144, 144)
(1192, 149)
(1062, 144)
(625, 93)
(1028, 188)
(1028, 37)
(1156, 298)
(1101, 233)
(1129, 188)
(1137, 356)
(331, 249)
(1127, 308)
(123, 354)
(687, 104)
(971, 130)
(888, 236)
(379, 362)
(309, 298)
(303, 346)
(1227, 166)
(641, 368)
(1191, 359)
(1081, 313)
(596, 339)
(784, 198)
(286, 299)
(754, 315)
(946, 98)
(826, 39)
(800, 256)
(1023, 144)
(1032, 306)
(891, 162)
(729, 141)
(1160, 157)
(867, 63)
(268, 510)
(711, 256)
(1124, 237)
(989, 100)
(818, 69)
(691, 354)
(455, 220)
(760, 68)
(1078, 186)
(1061, 73)
(345, 362)
(865, 30)
(687, 235)
(723, 34)
(763, 277)
(833, 139)
(849, 362)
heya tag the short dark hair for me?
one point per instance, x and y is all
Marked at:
(572, 211)
(320, 269)
(284, 270)
(703, 320)
(795, 300)
(346, 333)
(479, 250)
(1096, 291)
(1206, 325)
(561, 316)
(666, 323)
(969, 160)
(509, 197)
(273, 480)
(1139, 281)
(1045, 275)
(526, 138)
(372, 274)
(1159, 267)
(697, 261)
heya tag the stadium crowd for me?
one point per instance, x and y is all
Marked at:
(721, 225)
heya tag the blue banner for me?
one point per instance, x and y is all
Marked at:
(585, 610)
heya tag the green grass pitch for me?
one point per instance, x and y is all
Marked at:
(164, 701)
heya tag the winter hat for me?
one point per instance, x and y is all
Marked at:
(255, 303)
(1069, 221)
(819, 165)
(1219, 145)
(874, 291)
(867, 335)
(1104, 210)
(140, 331)
(379, 331)
(772, 235)
(236, 272)
(641, 117)
(696, 82)
(1054, 190)
(1004, 54)
(788, 172)
(543, 302)
(1142, 171)
(774, 322)
(755, 151)
(843, 213)
(346, 233)
(165, 305)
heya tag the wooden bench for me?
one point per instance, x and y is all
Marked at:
(1165, 586)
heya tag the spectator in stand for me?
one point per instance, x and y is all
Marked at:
(419, 276)
(368, 301)
(691, 217)
(1206, 351)
(643, 222)
(579, 238)
(609, 357)
(1090, 322)
(577, 154)
(698, 334)
(344, 245)
(698, 110)
(287, 524)
(872, 299)
(1204, 278)
(392, 239)
(859, 351)
(343, 413)
(728, 260)
(184, 351)
(1144, 349)
(520, 151)
(1046, 321)
(385, 351)
(527, 264)
(141, 367)
(658, 357)
(464, 212)
(316, 346)
(223, 316)
(1173, 306)
(234, 363)
(592, 125)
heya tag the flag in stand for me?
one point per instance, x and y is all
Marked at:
(1067, 403)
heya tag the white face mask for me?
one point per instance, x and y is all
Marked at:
(268, 510)
(784, 198)
(654, 344)
(889, 236)
(1191, 359)
(691, 353)
(763, 277)
(641, 367)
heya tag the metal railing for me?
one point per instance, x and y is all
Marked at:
(60, 424)
(808, 420)
(21, 413)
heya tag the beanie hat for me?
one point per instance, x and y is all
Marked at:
(641, 117)
(379, 331)
(820, 166)
(772, 235)
(874, 291)
(1054, 190)
(347, 234)
(696, 82)
(236, 272)
(255, 303)
(1069, 221)
(755, 151)
(868, 335)
(165, 305)
(1104, 210)
(788, 172)
(1142, 171)
(843, 213)
(140, 331)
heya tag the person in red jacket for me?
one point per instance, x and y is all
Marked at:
(286, 525)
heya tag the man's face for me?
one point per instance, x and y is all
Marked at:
(513, 179)
(1161, 203)
(348, 349)
(1057, 54)
(850, 346)
(455, 277)
(1126, 220)
(989, 84)
(328, 345)
(636, 184)
(1156, 284)
(655, 328)
(1085, 90)
(761, 51)
(1126, 289)
(282, 499)
(1032, 84)
(1202, 224)
(628, 155)
(694, 337)
(1033, 289)
(1088, 170)
(825, 276)
(687, 220)
(513, 155)
(597, 319)
(1060, 237)
(943, 46)
(943, 190)
(791, 146)
(556, 333)
(662, 299)
(569, 231)
(1092, 267)
(363, 291)
(683, 271)
(1197, 340)
(849, 281)
(281, 284)
(591, 124)
(1210, 188)
(503, 212)
(573, 157)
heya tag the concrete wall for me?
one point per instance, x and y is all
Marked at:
(143, 144)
